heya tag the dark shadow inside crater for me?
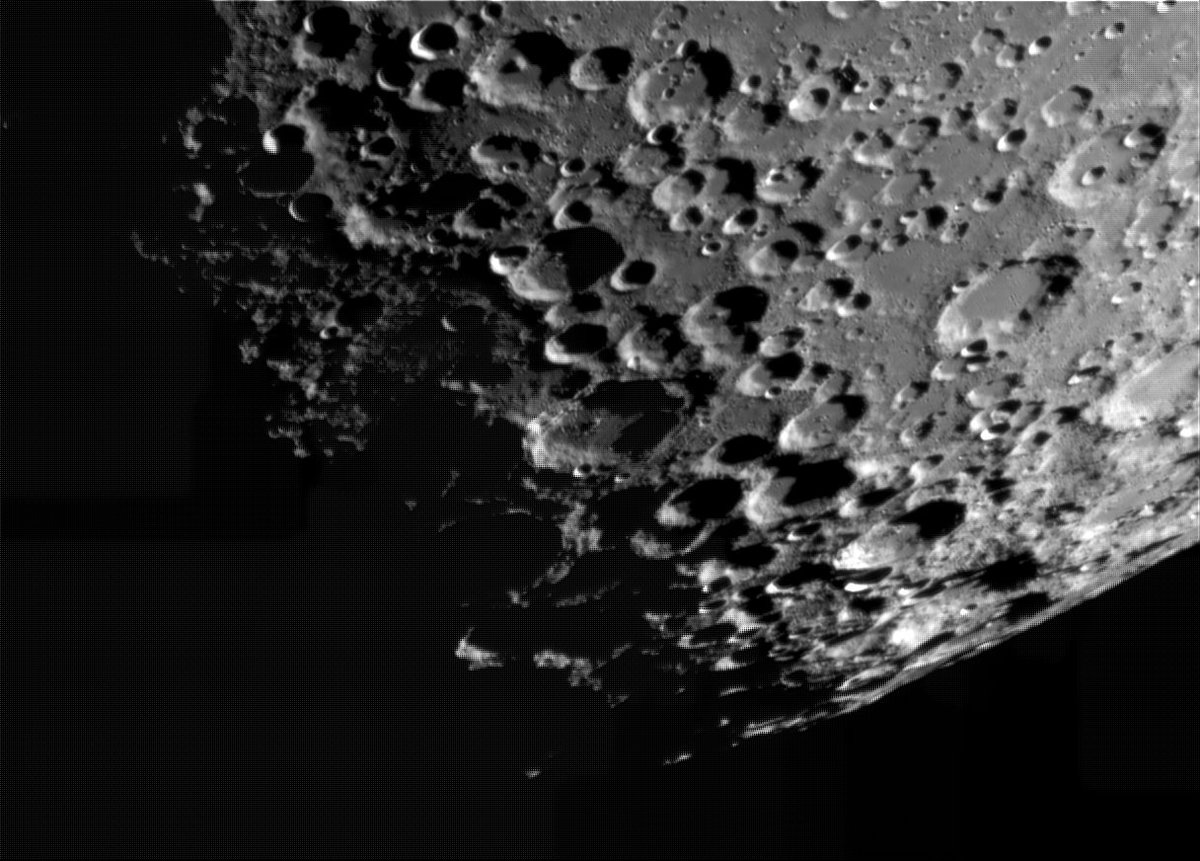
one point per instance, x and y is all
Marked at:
(451, 192)
(745, 304)
(445, 87)
(1011, 573)
(655, 411)
(741, 177)
(276, 175)
(614, 62)
(334, 41)
(547, 52)
(935, 519)
(710, 498)
(813, 233)
(753, 556)
(805, 573)
(625, 511)
(718, 72)
(1025, 606)
(583, 338)
(740, 449)
(786, 366)
(812, 480)
(342, 109)
(588, 253)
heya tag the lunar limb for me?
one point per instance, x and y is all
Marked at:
(846, 340)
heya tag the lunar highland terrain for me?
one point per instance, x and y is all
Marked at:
(842, 341)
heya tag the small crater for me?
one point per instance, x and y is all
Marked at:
(1040, 45)
(947, 76)
(757, 605)
(277, 175)
(575, 213)
(744, 220)
(809, 231)
(744, 448)
(360, 311)
(284, 138)
(638, 273)
(786, 366)
(583, 339)
(844, 248)
(330, 32)
(1068, 106)
(653, 411)
(935, 519)
(601, 68)
(433, 41)
(720, 584)
(497, 151)
(818, 480)
(1011, 573)
(785, 249)
(325, 20)
(709, 499)
(381, 147)
(935, 216)
(545, 51)
(393, 73)
(839, 288)
(717, 72)
(1025, 606)
(1065, 415)
(745, 304)
(1146, 135)
(822, 425)
(989, 40)
(999, 483)
(343, 109)
(444, 88)
(310, 207)
(786, 184)
(752, 556)
(868, 604)
(588, 253)
(466, 320)
(451, 192)
(873, 498)
(1011, 140)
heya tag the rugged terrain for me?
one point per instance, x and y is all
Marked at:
(845, 339)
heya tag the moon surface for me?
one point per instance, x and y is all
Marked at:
(844, 340)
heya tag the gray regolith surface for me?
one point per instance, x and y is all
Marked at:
(847, 339)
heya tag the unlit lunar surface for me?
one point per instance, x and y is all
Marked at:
(847, 339)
